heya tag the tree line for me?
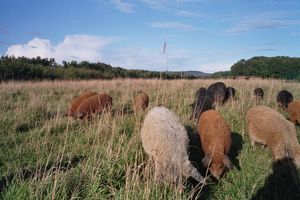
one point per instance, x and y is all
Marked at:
(281, 67)
(22, 68)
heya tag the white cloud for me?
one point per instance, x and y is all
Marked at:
(35, 47)
(3, 31)
(74, 47)
(128, 6)
(173, 25)
(156, 4)
(186, 13)
(174, 60)
(267, 49)
(149, 59)
(95, 49)
(262, 21)
(122, 6)
(136, 58)
(168, 4)
(258, 24)
(215, 67)
(295, 34)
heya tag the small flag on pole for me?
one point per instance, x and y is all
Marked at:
(165, 46)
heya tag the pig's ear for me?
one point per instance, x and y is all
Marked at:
(227, 162)
(206, 160)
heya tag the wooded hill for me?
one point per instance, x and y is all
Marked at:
(266, 67)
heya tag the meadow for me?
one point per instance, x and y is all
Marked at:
(46, 155)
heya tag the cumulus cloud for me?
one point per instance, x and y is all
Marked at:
(74, 47)
(35, 47)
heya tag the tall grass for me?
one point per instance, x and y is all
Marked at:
(45, 155)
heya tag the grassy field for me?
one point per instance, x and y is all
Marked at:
(44, 155)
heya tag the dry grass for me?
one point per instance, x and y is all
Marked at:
(45, 155)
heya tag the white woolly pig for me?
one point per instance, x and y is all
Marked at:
(165, 140)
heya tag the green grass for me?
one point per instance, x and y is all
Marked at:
(45, 155)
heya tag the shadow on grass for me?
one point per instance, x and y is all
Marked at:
(235, 148)
(27, 173)
(35, 121)
(282, 184)
(196, 155)
(195, 151)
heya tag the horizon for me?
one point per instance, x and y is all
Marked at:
(200, 35)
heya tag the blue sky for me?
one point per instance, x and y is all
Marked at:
(203, 35)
